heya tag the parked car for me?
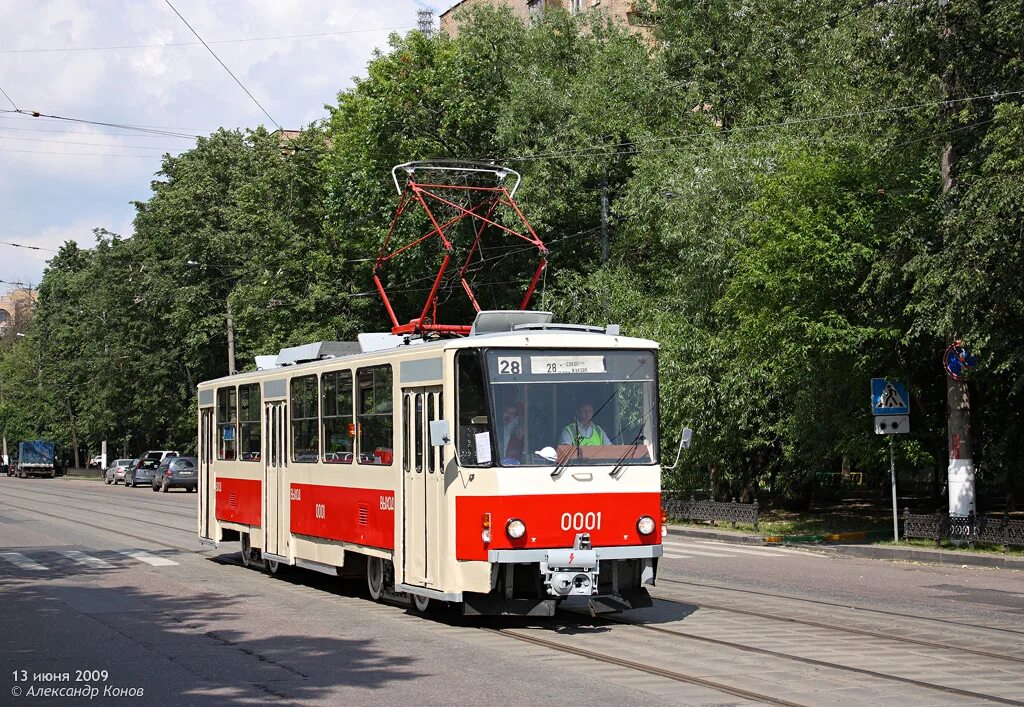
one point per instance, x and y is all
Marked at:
(175, 472)
(96, 462)
(141, 473)
(116, 471)
(160, 454)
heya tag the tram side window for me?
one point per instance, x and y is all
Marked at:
(472, 411)
(305, 420)
(339, 430)
(376, 431)
(227, 423)
(249, 431)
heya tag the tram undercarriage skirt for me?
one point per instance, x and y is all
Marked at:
(488, 605)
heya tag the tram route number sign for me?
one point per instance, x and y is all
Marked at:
(546, 365)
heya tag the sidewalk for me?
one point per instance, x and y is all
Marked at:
(858, 549)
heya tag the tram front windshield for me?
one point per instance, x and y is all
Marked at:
(545, 407)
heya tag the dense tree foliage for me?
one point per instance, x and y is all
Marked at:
(778, 222)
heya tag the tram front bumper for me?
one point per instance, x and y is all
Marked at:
(574, 572)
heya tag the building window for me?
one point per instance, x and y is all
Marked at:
(535, 9)
(249, 437)
(376, 431)
(227, 423)
(339, 427)
(305, 420)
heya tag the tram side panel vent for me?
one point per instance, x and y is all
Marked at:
(233, 500)
(364, 514)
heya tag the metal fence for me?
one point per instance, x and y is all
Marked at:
(970, 529)
(712, 511)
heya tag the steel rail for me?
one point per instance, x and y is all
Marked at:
(641, 667)
(843, 629)
(149, 505)
(106, 528)
(842, 606)
(818, 663)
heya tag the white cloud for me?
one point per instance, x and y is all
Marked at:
(50, 192)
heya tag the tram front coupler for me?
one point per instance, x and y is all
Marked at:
(571, 572)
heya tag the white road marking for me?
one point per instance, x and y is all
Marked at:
(689, 550)
(148, 559)
(763, 552)
(674, 556)
(87, 560)
(22, 562)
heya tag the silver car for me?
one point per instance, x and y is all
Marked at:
(115, 472)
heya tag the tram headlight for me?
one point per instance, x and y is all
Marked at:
(515, 528)
(485, 535)
(645, 525)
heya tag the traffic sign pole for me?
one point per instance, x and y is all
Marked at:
(892, 471)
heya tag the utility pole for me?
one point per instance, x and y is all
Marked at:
(604, 220)
(231, 337)
(960, 473)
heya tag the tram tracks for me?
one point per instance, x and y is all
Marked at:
(105, 498)
(106, 528)
(883, 612)
(844, 629)
(949, 689)
(639, 667)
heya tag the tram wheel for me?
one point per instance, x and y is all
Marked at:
(421, 604)
(375, 577)
(247, 557)
(273, 566)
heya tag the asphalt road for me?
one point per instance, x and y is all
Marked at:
(112, 580)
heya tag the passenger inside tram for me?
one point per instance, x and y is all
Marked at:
(540, 408)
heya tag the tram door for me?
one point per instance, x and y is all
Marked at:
(274, 485)
(423, 487)
(207, 496)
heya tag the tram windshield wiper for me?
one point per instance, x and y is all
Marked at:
(628, 454)
(564, 462)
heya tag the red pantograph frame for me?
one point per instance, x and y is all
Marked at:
(484, 202)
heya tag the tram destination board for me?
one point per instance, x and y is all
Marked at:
(566, 364)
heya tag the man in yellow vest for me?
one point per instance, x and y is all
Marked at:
(583, 430)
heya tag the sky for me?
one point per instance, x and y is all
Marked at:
(82, 59)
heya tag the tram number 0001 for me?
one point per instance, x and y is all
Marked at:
(581, 521)
(320, 511)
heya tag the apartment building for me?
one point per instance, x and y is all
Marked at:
(625, 11)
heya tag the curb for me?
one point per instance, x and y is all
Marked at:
(737, 538)
(819, 543)
(940, 557)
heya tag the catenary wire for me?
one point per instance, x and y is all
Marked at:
(8, 98)
(88, 144)
(248, 93)
(631, 146)
(160, 45)
(28, 247)
(120, 126)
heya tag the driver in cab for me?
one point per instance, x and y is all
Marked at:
(583, 431)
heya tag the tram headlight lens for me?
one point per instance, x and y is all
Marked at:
(645, 525)
(515, 528)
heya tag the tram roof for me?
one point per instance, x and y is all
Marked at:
(551, 337)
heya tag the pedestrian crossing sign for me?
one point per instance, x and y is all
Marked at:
(889, 397)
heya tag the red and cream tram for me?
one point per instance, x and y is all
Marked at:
(505, 471)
